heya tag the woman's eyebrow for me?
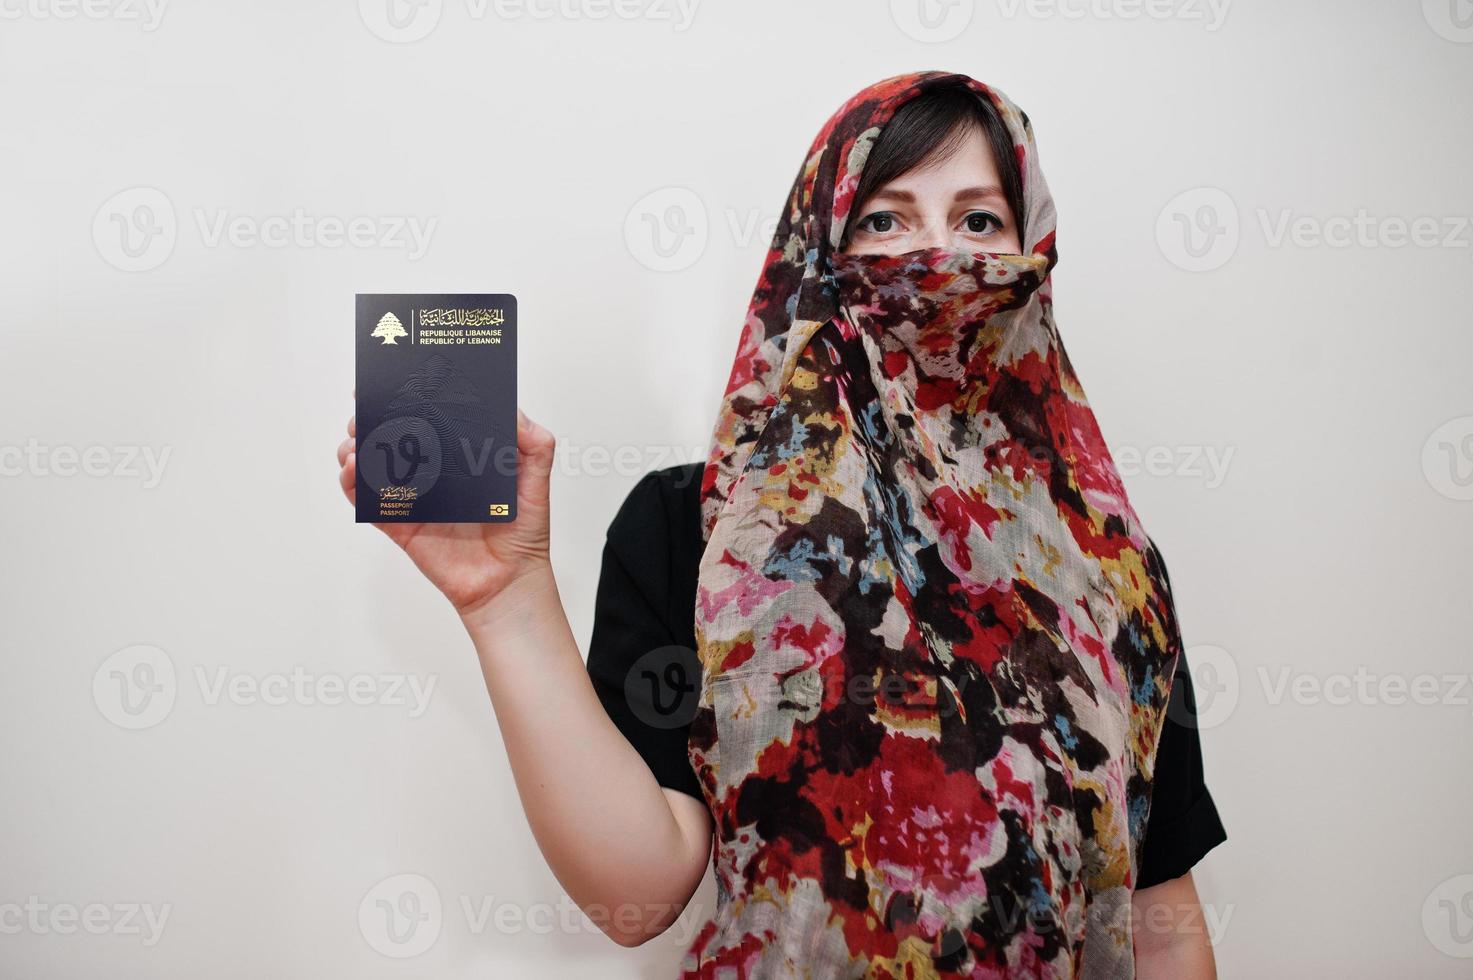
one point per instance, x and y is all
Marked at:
(904, 196)
(893, 194)
(985, 190)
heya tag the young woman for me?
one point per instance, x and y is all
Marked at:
(896, 659)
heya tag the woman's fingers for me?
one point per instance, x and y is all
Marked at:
(535, 445)
(348, 458)
(535, 451)
(348, 477)
(532, 439)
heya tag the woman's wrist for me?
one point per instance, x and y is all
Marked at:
(515, 607)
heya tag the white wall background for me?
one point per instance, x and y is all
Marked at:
(1334, 380)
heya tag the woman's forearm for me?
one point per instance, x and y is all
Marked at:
(627, 853)
(1172, 941)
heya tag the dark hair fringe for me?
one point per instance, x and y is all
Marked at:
(937, 122)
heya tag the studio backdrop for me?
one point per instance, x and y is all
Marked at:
(245, 738)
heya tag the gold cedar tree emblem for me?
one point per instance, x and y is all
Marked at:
(388, 328)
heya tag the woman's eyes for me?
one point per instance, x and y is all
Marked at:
(974, 223)
(981, 222)
(879, 222)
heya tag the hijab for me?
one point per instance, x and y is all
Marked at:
(936, 642)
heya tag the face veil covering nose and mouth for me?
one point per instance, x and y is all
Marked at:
(936, 642)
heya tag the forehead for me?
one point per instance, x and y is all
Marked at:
(969, 166)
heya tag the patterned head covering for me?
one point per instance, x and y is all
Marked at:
(936, 642)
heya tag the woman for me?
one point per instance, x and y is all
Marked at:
(904, 649)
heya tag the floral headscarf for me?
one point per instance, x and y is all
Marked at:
(936, 642)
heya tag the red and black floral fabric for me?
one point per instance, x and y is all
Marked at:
(936, 642)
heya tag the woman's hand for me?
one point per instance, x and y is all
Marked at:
(474, 563)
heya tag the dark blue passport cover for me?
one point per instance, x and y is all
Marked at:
(437, 407)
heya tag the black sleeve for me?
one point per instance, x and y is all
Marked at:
(645, 671)
(1183, 824)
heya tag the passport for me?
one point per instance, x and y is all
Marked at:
(437, 407)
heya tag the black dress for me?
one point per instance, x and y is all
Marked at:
(641, 658)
